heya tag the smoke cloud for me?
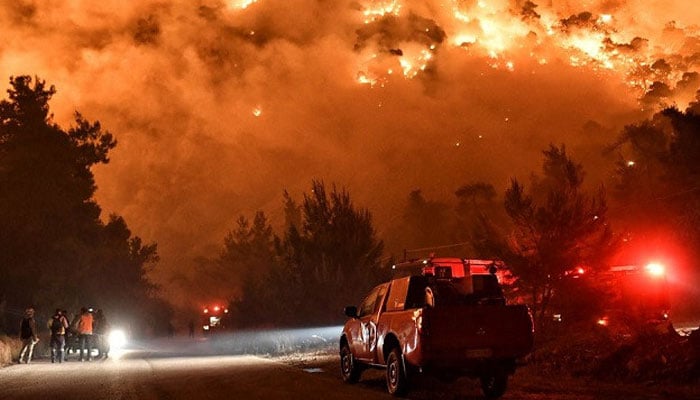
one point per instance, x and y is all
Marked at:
(219, 106)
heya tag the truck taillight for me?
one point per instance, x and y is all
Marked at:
(422, 324)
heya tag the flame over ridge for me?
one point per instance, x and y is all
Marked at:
(502, 32)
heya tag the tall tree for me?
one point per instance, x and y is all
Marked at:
(480, 215)
(323, 264)
(425, 223)
(248, 257)
(54, 249)
(657, 191)
(557, 226)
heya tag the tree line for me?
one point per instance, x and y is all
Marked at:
(542, 228)
(55, 251)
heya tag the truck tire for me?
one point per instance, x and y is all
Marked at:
(494, 384)
(350, 371)
(396, 378)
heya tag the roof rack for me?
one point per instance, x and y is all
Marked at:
(459, 267)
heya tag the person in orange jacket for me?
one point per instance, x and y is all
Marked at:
(85, 333)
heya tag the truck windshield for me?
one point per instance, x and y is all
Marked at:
(480, 289)
(484, 290)
(486, 286)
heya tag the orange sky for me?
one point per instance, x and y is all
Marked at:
(220, 106)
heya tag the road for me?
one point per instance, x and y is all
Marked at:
(145, 375)
(174, 371)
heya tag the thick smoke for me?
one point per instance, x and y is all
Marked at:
(220, 106)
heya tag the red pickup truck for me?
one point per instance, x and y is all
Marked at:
(443, 318)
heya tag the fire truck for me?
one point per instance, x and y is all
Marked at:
(638, 295)
(629, 296)
(214, 319)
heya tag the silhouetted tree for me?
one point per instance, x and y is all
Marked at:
(657, 190)
(248, 257)
(424, 223)
(557, 226)
(54, 249)
(335, 255)
(326, 262)
(479, 215)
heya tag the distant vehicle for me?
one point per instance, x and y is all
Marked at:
(438, 316)
(215, 319)
(638, 295)
(635, 296)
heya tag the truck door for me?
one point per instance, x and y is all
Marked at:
(368, 315)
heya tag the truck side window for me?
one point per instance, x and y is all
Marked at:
(416, 292)
(381, 300)
(367, 306)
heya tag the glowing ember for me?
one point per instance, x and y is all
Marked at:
(242, 4)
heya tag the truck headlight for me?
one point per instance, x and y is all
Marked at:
(117, 339)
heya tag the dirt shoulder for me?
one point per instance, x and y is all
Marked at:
(527, 383)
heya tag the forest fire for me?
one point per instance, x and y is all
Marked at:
(222, 105)
(499, 31)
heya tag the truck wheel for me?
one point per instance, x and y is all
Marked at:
(396, 379)
(494, 385)
(349, 369)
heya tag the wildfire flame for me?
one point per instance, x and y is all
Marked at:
(497, 32)
(503, 34)
(241, 4)
(377, 9)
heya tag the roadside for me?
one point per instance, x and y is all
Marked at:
(527, 383)
(9, 350)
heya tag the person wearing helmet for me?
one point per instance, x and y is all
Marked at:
(28, 335)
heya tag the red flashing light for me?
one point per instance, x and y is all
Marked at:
(603, 321)
(216, 308)
(206, 311)
(655, 269)
(580, 270)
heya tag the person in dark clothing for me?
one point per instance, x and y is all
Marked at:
(100, 331)
(72, 342)
(28, 335)
(58, 325)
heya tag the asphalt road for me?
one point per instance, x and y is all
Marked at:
(143, 375)
(181, 370)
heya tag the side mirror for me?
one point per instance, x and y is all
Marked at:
(351, 311)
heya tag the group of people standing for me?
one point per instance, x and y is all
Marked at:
(88, 330)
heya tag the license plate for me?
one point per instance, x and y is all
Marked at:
(479, 353)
